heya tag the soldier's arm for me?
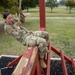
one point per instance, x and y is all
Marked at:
(25, 29)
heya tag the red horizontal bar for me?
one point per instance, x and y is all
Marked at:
(10, 64)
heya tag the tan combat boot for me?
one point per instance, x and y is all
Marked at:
(42, 63)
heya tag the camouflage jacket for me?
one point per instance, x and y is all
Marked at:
(19, 33)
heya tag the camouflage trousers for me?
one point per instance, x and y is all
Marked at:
(39, 39)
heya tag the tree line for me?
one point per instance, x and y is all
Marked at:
(68, 3)
(12, 5)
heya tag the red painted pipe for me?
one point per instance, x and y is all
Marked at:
(73, 64)
(42, 14)
(48, 60)
(63, 63)
(14, 61)
(36, 68)
(58, 52)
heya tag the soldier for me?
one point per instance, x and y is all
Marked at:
(26, 37)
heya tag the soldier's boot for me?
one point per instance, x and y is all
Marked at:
(42, 63)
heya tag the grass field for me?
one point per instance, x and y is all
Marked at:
(61, 32)
(57, 12)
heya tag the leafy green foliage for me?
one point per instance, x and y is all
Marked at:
(12, 5)
(8, 5)
(52, 4)
(70, 4)
(29, 3)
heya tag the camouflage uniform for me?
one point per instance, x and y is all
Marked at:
(28, 38)
(22, 18)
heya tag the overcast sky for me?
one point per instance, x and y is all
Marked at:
(58, 0)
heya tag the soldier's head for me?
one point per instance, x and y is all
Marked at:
(8, 17)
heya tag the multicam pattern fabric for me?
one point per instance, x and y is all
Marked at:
(22, 18)
(28, 38)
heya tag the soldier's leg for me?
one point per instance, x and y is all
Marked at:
(42, 34)
(31, 41)
(42, 46)
(37, 41)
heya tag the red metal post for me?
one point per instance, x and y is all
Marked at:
(42, 14)
(73, 64)
(31, 64)
(29, 56)
(58, 52)
(36, 68)
(48, 60)
(63, 63)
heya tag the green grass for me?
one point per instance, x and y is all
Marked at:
(60, 12)
(61, 32)
(9, 45)
(62, 35)
(57, 12)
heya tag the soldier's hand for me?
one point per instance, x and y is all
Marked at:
(20, 10)
(18, 23)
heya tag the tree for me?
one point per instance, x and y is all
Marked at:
(26, 4)
(52, 4)
(8, 5)
(12, 5)
(70, 4)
